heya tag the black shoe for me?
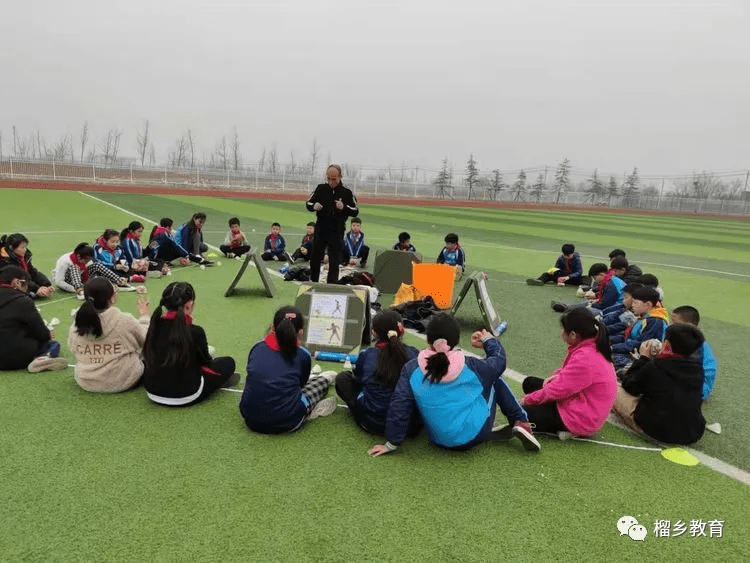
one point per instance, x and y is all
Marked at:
(558, 307)
(205, 262)
(534, 281)
(232, 381)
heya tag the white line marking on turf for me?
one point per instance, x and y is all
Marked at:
(710, 462)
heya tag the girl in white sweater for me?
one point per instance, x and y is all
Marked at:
(107, 343)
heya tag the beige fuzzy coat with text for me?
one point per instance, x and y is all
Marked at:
(112, 362)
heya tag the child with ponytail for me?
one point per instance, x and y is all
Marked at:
(162, 246)
(132, 251)
(367, 391)
(106, 342)
(454, 393)
(279, 395)
(578, 397)
(179, 368)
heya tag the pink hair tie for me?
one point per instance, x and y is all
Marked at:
(441, 345)
(290, 316)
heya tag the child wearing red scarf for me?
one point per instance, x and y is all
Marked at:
(280, 396)
(74, 269)
(179, 370)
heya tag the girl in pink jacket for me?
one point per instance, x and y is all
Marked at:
(578, 397)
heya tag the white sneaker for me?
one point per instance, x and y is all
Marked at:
(45, 363)
(324, 408)
(230, 255)
(126, 288)
(80, 296)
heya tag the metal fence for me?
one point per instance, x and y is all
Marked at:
(255, 179)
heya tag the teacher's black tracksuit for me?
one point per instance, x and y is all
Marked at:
(330, 227)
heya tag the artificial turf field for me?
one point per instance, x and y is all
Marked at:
(115, 477)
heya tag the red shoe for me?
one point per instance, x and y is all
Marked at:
(522, 431)
(137, 278)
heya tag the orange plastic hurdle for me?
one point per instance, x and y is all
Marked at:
(436, 280)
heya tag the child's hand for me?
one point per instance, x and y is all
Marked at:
(52, 334)
(339, 204)
(318, 206)
(303, 251)
(378, 449)
(476, 338)
(184, 261)
(121, 267)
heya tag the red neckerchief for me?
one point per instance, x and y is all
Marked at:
(273, 241)
(171, 315)
(603, 284)
(103, 245)
(568, 264)
(198, 227)
(307, 238)
(664, 354)
(160, 230)
(81, 265)
(132, 236)
(272, 342)
(22, 263)
(7, 285)
(381, 345)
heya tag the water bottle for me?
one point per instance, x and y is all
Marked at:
(284, 269)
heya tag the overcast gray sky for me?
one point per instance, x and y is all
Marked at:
(663, 85)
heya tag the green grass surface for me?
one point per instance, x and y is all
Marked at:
(98, 477)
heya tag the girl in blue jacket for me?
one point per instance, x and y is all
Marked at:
(279, 395)
(368, 390)
(455, 394)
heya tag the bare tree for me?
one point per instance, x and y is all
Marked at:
(111, 145)
(314, 155)
(191, 147)
(292, 164)
(1, 145)
(20, 146)
(63, 148)
(262, 161)
(631, 187)
(273, 159)
(222, 153)
(178, 157)
(151, 155)
(84, 137)
(141, 143)
(236, 155)
(472, 173)
(596, 188)
(612, 189)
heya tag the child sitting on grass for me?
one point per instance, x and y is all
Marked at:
(108, 253)
(632, 272)
(567, 271)
(179, 370)
(74, 269)
(279, 394)
(704, 354)
(651, 323)
(164, 247)
(189, 235)
(305, 248)
(27, 343)
(132, 251)
(106, 342)
(452, 254)
(235, 243)
(609, 286)
(404, 243)
(455, 394)
(354, 248)
(660, 395)
(274, 247)
(578, 397)
(14, 251)
(368, 390)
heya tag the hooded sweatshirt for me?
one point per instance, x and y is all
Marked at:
(584, 389)
(112, 362)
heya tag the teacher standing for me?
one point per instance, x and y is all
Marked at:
(333, 204)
